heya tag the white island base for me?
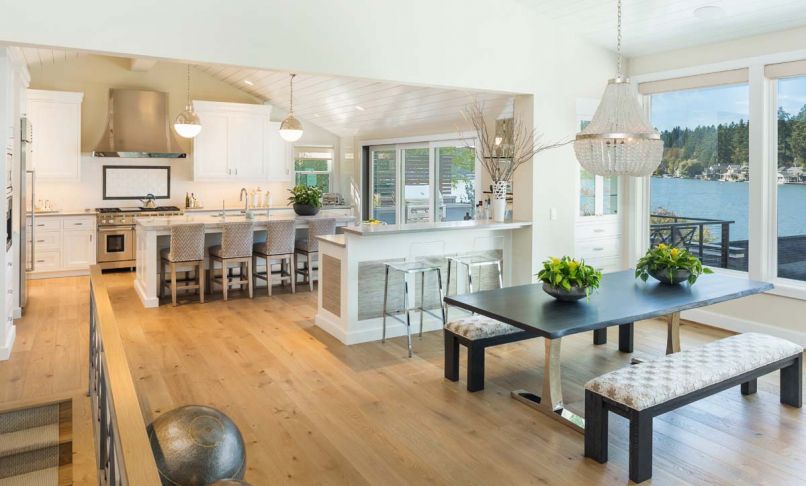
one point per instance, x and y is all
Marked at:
(351, 273)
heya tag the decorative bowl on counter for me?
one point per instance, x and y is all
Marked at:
(305, 209)
(559, 293)
(675, 277)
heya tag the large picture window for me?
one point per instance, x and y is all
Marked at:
(699, 196)
(313, 166)
(791, 178)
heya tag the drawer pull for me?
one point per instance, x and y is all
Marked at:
(40, 241)
(598, 248)
(78, 224)
(40, 261)
(598, 230)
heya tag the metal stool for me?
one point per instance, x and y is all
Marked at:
(236, 248)
(278, 248)
(415, 266)
(186, 254)
(310, 245)
(477, 259)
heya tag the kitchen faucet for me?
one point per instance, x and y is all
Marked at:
(245, 198)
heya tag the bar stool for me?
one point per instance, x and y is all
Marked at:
(236, 248)
(417, 263)
(278, 248)
(186, 254)
(310, 246)
(479, 257)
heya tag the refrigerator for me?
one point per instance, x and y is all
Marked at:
(27, 188)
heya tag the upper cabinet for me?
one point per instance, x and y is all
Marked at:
(56, 127)
(238, 142)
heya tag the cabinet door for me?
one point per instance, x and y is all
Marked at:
(210, 150)
(278, 155)
(246, 145)
(78, 249)
(56, 147)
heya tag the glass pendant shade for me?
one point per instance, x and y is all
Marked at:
(291, 128)
(187, 123)
(619, 140)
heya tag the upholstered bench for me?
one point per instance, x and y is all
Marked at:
(476, 333)
(646, 390)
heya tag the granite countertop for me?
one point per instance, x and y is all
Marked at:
(390, 229)
(240, 208)
(338, 240)
(214, 222)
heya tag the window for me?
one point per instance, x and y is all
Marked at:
(699, 196)
(456, 182)
(791, 178)
(313, 166)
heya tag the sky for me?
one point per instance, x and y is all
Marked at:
(723, 104)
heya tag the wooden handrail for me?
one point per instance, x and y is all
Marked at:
(123, 451)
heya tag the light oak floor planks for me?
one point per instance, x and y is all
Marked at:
(314, 411)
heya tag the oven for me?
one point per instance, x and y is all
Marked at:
(116, 246)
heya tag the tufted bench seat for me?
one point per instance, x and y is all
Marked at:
(648, 389)
(476, 333)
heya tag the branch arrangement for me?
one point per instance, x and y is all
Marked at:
(502, 153)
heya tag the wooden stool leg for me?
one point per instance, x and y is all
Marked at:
(595, 427)
(640, 447)
(310, 272)
(173, 283)
(451, 356)
(210, 274)
(249, 270)
(792, 383)
(161, 292)
(600, 336)
(200, 277)
(475, 368)
(750, 387)
(292, 263)
(225, 278)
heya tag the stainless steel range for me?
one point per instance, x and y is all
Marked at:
(116, 245)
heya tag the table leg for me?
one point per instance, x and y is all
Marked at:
(600, 336)
(626, 333)
(673, 333)
(551, 401)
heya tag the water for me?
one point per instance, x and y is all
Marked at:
(728, 201)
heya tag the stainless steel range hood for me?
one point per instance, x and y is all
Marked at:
(138, 126)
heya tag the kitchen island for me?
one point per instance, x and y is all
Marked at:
(153, 234)
(352, 272)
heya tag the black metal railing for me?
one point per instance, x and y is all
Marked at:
(689, 233)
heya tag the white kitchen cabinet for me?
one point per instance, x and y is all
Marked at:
(234, 142)
(56, 120)
(63, 246)
(280, 156)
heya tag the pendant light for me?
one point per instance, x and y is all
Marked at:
(291, 128)
(619, 139)
(187, 123)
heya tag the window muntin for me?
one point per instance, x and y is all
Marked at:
(313, 167)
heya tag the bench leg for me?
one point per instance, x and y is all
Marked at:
(600, 336)
(475, 368)
(750, 387)
(595, 427)
(451, 356)
(640, 447)
(626, 332)
(792, 383)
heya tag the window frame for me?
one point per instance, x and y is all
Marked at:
(763, 165)
(330, 163)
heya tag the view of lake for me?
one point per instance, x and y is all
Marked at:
(729, 201)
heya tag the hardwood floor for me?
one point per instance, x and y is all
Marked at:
(314, 411)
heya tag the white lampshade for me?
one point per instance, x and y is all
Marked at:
(187, 123)
(291, 128)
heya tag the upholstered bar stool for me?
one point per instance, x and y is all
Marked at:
(479, 257)
(186, 254)
(423, 258)
(309, 247)
(237, 240)
(278, 248)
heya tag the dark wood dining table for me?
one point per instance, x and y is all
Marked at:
(621, 300)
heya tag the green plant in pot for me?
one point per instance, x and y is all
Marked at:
(306, 199)
(670, 265)
(567, 279)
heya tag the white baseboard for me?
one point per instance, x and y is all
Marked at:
(5, 350)
(58, 274)
(370, 330)
(736, 324)
(141, 293)
(16, 312)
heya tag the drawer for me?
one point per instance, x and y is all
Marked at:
(606, 264)
(48, 240)
(585, 231)
(47, 261)
(48, 223)
(78, 223)
(607, 247)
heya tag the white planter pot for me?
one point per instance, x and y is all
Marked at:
(500, 200)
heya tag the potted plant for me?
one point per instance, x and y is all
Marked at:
(670, 265)
(567, 279)
(306, 199)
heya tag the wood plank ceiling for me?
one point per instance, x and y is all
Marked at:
(653, 26)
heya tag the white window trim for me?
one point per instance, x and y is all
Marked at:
(762, 230)
(330, 165)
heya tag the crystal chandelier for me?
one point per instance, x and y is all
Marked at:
(187, 123)
(619, 140)
(291, 128)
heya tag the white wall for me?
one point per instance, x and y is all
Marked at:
(94, 76)
(776, 314)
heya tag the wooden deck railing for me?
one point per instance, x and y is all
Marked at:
(122, 447)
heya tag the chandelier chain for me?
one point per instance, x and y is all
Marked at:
(291, 103)
(188, 85)
(618, 39)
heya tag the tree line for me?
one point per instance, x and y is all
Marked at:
(691, 152)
